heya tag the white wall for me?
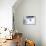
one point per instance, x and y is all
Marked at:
(6, 13)
(29, 8)
(43, 22)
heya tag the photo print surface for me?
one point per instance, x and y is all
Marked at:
(29, 20)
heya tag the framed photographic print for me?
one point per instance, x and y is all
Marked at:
(29, 20)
